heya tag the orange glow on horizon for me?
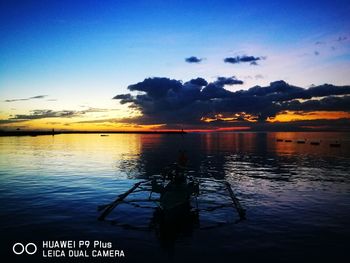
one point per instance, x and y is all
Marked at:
(290, 116)
(116, 124)
(67, 124)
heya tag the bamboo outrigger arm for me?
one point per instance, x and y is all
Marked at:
(109, 208)
(237, 204)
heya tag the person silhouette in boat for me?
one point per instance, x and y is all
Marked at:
(182, 159)
(174, 214)
(175, 196)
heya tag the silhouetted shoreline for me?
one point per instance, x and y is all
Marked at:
(38, 133)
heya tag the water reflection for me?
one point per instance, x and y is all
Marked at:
(170, 228)
(221, 155)
(52, 186)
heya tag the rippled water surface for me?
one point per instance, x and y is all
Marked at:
(297, 195)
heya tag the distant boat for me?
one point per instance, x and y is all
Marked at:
(288, 140)
(103, 135)
(335, 144)
(301, 141)
(314, 143)
(279, 140)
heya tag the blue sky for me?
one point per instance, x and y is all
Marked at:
(86, 52)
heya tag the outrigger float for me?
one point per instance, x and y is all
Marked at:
(174, 192)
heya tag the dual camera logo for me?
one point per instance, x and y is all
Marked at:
(20, 248)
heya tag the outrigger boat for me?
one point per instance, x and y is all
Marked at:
(175, 194)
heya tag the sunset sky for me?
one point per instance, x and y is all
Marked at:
(126, 65)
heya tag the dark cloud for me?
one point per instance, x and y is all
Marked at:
(221, 81)
(124, 98)
(331, 103)
(199, 82)
(341, 38)
(171, 102)
(110, 120)
(157, 87)
(243, 59)
(38, 114)
(319, 43)
(38, 97)
(9, 121)
(193, 60)
(316, 53)
(30, 98)
(42, 114)
(90, 109)
(327, 90)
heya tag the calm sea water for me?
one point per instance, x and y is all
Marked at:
(297, 196)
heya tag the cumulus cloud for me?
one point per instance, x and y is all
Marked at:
(193, 59)
(331, 103)
(243, 59)
(221, 81)
(199, 82)
(30, 98)
(169, 101)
